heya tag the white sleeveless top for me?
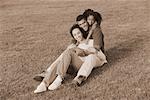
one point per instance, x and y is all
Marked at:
(89, 47)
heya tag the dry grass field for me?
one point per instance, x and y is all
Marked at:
(33, 33)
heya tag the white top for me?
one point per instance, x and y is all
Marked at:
(88, 46)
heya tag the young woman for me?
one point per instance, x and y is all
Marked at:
(83, 57)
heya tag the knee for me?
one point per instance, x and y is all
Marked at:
(91, 56)
(68, 51)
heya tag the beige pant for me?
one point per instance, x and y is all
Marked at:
(69, 57)
(90, 62)
(61, 64)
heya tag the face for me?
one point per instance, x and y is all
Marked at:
(77, 34)
(83, 24)
(90, 20)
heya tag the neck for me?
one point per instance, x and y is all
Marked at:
(83, 41)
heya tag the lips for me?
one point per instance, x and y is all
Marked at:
(79, 38)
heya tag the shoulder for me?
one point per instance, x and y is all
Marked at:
(97, 30)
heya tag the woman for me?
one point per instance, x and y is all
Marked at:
(83, 58)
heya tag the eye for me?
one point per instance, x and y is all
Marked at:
(80, 24)
(84, 22)
(74, 34)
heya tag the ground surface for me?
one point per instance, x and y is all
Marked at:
(33, 33)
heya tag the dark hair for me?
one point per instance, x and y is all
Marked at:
(97, 15)
(80, 17)
(89, 12)
(82, 31)
(98, 18)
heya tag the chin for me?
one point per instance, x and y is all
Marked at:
(85, 29)
(80, 40)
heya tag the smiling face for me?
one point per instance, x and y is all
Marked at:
(77, 34)
(90, 20)
(83, 24)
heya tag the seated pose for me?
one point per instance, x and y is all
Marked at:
(90, 22)
(83, 57)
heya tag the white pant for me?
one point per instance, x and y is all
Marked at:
(91, 61)
(85, 67)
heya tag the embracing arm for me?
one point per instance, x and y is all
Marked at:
(90, 50)
(91, 31)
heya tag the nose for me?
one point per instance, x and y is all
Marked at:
(78, 36)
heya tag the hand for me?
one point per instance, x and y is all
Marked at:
(94, 25)
(88, 52)
(80, 52)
